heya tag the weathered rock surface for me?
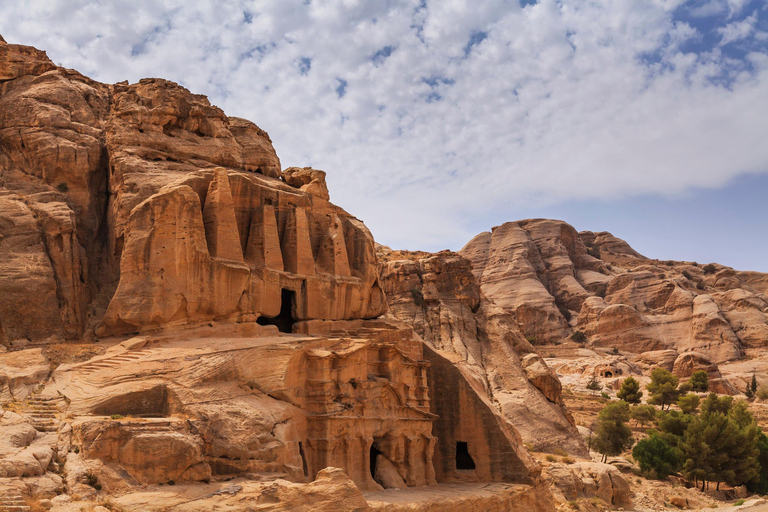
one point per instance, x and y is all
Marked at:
(590, 479)
(127, 207)
(441, 300)
(143, 209)
(555, 281)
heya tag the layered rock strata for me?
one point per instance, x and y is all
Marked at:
(129, 207)
(556, 281)
(237, 312)
(439, 297)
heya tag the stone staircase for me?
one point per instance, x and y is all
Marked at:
(43, 411)
(12, 502)
(141, 427)
(114, 361)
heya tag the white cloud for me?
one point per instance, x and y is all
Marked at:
(738, 29)
(560, 100)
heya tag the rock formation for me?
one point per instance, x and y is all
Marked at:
(238, 315)
(439, 297)
(556, 281)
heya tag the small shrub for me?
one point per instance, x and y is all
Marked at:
(739, 502)
(605, 395)
(171, 482)
(579, 337)
(594, 385)
(560, 452)
(615, 350)
(709, 268)
(568, 460)
(77, 449)
(62, 187)
(91, 480)
(116, 417)
(551, 458)
(762, 393)
(574, 505)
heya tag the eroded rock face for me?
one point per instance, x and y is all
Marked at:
(141, 208)
(556, 281)
(126, 207)
(440, 298)
(590, 479)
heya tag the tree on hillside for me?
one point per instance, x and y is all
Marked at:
(721, 443)
(714, 403)
(656, 458)
(612, 435)
(594, 385)
(630, 391)
(673, 425)
(753, 385)
(699, 381)
(688, 403)
(759, 484)
(643, 414)
(663, 388)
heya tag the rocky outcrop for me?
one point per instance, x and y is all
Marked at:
(555, 281)
(590, 479)
(439, 297)
(239, 315)
(127, 207)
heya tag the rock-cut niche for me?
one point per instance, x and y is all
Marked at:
(286, 318)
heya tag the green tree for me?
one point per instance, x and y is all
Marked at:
(612, 435)
(663, 387)
(699, 381)
(688, 403)
(594, 385)
(714, 403)
(630, 391)
(657, 459)
(673, 424)
(643, 414)
(721, 444)
(753, 385)
(759, 484)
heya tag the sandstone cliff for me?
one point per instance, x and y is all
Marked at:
(119, 203)
(176, 309)
(556, 281)
(439, 297)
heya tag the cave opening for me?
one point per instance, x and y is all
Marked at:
(608, 374)
(304, 465)
(374, 453)
(463, 458)
(284, 320)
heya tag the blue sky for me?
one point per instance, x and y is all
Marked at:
(437, 120)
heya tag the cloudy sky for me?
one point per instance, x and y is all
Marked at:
(436, 120)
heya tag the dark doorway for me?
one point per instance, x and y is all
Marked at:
(374, 453)
(303, 460)
(284, 320)
(608, 374)
(463, 458)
